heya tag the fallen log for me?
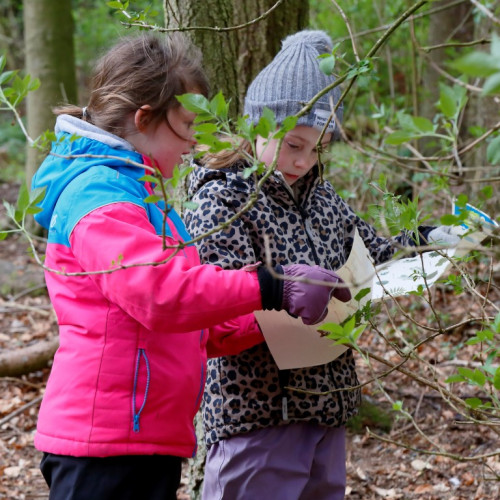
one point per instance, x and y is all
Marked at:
(24, 360)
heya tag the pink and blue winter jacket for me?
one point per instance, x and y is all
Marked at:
(130, 369)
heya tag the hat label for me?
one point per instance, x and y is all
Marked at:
(321, 117)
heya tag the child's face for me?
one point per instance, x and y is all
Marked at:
(168, 141)
(298, 152)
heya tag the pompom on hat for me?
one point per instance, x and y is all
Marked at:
(292, 79)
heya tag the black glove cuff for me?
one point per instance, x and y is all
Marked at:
(271, 289)
(423, 235)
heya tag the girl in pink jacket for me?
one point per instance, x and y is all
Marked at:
(137, 312)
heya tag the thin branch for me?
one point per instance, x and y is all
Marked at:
(217, 29)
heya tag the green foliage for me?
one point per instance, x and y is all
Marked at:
(26, 205)
(370, 415)
(488, 374)
(483, 65)
(13, 88)
(451, 103)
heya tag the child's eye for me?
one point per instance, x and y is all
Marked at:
(292, 146)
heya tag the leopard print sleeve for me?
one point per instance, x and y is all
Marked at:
(229, 247)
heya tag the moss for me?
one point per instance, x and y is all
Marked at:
(370, 415)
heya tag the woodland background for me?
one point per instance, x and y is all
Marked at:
(421, 85)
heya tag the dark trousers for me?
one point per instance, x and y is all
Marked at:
(134, 477)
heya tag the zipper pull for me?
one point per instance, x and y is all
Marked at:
(284, 408)
(136, 423)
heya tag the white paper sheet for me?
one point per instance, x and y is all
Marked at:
(295, 345)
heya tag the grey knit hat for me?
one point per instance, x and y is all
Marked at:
(292, 79)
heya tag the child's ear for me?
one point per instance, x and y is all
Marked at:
(142, 117)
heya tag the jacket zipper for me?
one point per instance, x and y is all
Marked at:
(284, 375)
(141, 353)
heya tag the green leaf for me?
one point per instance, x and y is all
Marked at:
(492, 85)
(447, 103)
(288, 124)
(190, 205)
(493, 151)
(397, 405)
(474, 376)
(196, 103)
(23, 198)
(266, 124)
(37, 195)
(362, 293)
(219, 107)
(335, 330)
(206, 128)
(327, 63)
(152, 198)
(3, 235)
(496, 379)
(115, 5)
(496, 323)
(423, 124)
(400, 137)
(449, 220)
(149, 178)
(478, 64)
(473, 403)
(5, 77)
(454, 378)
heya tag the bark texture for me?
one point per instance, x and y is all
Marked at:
(48, 38)
(27, 359)
(233, 58)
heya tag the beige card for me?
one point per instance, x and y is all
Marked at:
(295, 345)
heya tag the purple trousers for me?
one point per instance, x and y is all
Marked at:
(292, 462)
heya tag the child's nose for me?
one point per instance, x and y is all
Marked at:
(302, 162)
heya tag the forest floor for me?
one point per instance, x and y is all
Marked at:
(377, 467)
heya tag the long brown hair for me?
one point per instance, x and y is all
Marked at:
(137, 71)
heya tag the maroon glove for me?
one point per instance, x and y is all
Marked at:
(300, 298)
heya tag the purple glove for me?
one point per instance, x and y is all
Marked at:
(307, 300)
(299, 298)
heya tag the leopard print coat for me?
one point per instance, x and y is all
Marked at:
(311, 225)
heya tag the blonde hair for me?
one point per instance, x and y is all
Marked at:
(240, 151)
(138, 71)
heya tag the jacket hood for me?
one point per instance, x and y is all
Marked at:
(75, 137)
(201, 175)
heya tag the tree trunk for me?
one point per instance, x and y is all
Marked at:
(233, 58)
(27, 359)
(482, 111)
(453, 23)
(48, 37)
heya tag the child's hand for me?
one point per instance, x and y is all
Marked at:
(446, 235)
(309, 300)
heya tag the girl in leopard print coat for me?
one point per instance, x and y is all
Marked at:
(253, 441)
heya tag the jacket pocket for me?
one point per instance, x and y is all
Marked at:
(142, 359)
